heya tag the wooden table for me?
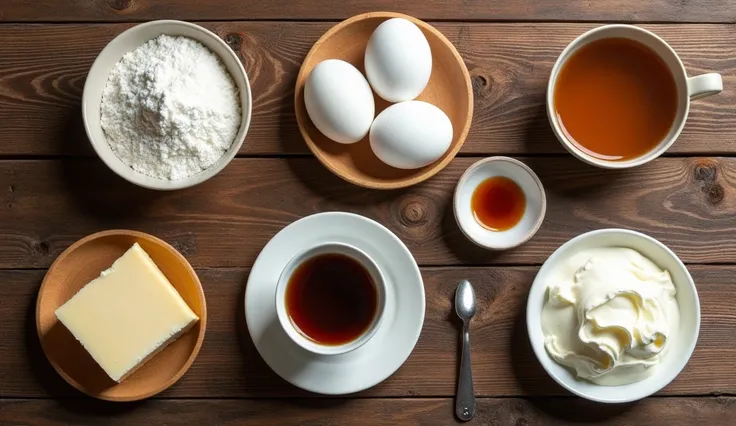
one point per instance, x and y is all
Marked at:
(54, 190)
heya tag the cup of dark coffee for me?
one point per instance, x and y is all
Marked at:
(330, 298)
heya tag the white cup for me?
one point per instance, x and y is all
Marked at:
(688, 88)
(295, 333)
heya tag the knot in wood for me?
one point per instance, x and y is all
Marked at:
(120, 4)
(41, 248)
(234, 40)
(186, 245)
(413, 213)
(705, 172)
(480, 84)
(715, 192)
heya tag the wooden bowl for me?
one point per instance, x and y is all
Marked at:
(449, 88)
(73, 269)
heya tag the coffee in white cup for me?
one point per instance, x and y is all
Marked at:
(330, 298)
(619, 96)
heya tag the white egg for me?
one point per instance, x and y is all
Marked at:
(411, 134)
(339, 101)
(398, 60)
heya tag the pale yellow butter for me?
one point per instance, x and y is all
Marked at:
(127, 315)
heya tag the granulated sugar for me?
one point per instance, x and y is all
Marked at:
(170, 109)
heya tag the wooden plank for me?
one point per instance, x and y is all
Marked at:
(229, 366)
(45, 206)
(370, 412)
(526, 10)
(43, 69)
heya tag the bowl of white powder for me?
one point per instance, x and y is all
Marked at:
(167, 104)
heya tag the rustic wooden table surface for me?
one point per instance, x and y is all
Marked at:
(54, 190)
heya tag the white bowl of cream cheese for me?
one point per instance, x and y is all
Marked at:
(613, 315)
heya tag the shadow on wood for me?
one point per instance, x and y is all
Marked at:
(103, 195)
(321, 403)
(94, 187)
(529, 373)
(96, 408)
(534, 380)
(40, 367)
(289, 136)
(460, 246)
(71, 357)
(339, 193)
(572, 410)
(258, 371)
(73, 139)
(538, 136)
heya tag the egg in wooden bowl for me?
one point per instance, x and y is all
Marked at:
(388, 157)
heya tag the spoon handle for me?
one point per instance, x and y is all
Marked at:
(465, 400)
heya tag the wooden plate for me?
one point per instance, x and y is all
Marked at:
(73, 269)
(449, 88)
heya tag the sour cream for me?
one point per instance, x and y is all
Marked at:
(610, 315)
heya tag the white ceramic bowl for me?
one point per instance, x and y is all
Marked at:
(112, 53)
(683, 342)
(293, 331)
(536, 203)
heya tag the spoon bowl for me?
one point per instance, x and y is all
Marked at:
(465, 301)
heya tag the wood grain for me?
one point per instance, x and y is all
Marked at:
(228, 365)
(509, 64)
(45, 206)
(371, 412)
(136, 10)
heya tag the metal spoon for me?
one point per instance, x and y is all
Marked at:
(465, 308)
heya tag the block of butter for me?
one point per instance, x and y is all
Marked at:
(127, 315)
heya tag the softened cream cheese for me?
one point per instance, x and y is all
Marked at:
(610, 315)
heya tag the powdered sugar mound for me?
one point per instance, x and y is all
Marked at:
(170, 109)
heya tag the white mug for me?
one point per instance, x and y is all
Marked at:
(688, 88)
(293, 331)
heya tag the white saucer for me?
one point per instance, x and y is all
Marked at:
(378, 358)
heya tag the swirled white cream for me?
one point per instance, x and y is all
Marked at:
(610, 315)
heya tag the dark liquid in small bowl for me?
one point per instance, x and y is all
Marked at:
(332, 299)
(498, 203)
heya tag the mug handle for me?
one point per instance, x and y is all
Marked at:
(704, 85)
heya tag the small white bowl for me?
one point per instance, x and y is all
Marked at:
(128, 41)
(293, 331)
(536, 203)
(684, 341)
